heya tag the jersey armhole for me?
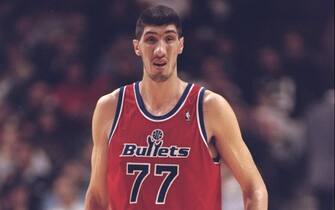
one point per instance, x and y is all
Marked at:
(200, 115)
(117, 112)
(201, 122)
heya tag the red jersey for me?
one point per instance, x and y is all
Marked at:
(161, 162)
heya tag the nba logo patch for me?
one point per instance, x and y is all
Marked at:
(187, 116)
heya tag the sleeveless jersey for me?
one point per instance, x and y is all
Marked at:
(161, 162)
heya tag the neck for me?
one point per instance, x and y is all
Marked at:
(160, 97)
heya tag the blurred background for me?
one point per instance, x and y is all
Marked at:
(272, 60)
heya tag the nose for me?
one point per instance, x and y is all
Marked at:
(160, 49)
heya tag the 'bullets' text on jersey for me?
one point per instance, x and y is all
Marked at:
(161, 162)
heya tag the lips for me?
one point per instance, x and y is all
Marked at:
(159, 62)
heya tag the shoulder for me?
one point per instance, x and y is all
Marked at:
(214, 102)
(104, 114)
(217, 112)
(109, 101)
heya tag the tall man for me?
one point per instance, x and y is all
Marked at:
(158, 143)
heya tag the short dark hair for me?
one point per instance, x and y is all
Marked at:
(157, 16)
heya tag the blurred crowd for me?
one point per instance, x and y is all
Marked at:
(272, 60)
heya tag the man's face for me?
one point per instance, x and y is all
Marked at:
(159, 47)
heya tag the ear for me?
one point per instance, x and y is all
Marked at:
(136, 47)
(181, 45)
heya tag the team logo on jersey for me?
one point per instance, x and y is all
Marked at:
(155, 148)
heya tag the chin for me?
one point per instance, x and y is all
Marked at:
(159, 77)
(157, 68)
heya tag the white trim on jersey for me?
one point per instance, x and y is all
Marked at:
(118, 117)
(198, 119)
(199, 125)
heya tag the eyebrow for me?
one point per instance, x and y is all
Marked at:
(155, 33)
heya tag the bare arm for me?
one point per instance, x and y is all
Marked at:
(221, 123)
(97, 194)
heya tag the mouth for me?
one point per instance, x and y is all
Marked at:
(159, 64)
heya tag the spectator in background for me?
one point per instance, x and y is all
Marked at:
(31, 163)
(38, 97)
(273, 124)
(118, 15)
(64, 195)
(299, 66)
(75, 170)
(118, 63)
(272, 79)
(18, 198)
(325, 57)
(21, 167)
(319, 123)
(227, 50)
(71, 93)
(8, 143)
(212, 69)
(20, 68)
(51, 128)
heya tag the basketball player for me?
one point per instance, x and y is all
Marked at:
(158, 142)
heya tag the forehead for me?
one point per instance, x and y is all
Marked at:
(159, 30)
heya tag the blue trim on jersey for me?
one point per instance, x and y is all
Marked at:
(201, 114)
(170, 113)
(117, 111)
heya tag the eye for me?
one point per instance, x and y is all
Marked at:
(169, 39)
(150, 39)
